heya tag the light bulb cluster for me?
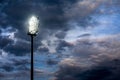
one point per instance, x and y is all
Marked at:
(33, 25)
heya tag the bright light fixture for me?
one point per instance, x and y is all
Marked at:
(33, 25)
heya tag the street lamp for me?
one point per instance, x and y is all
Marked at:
(32, 31)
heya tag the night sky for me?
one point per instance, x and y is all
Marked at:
(77, 39)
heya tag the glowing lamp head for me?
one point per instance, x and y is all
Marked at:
(33, 25)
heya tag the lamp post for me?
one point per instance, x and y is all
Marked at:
(32, 31)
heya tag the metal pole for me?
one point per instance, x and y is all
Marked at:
(32, 59)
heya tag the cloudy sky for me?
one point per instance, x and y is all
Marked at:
(79, 36)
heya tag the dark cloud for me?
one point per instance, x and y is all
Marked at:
(0, 31)
(4, 41)
(85, 35)
(103, 71)
(60, 35)
(11, 63)
(51, 62)
(62, 44)
(7, 68)
(44, 49)
(18, 48)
